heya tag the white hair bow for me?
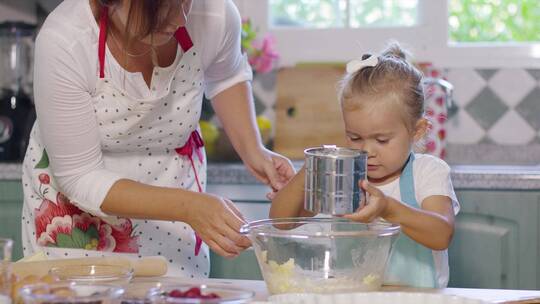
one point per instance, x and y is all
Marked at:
(367, 60)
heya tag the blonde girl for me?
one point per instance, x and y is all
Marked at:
(383, 111)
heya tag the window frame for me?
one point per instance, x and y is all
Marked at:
(428, 41)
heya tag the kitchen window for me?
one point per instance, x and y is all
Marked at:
(502, 21)
(452, 33)
(342, 13)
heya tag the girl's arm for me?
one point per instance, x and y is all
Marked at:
(289, 202)
(431, 226)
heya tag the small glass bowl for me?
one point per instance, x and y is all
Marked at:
(97, 274)
(70, 293)
(226, 295)
(137, 292)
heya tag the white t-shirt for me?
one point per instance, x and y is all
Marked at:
(66, 74)
(431, 177)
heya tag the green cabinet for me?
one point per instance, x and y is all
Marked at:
(497, 240)
(11, 201)
(251, 201)
(243, 267)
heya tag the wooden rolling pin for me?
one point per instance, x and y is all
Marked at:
(144, 267)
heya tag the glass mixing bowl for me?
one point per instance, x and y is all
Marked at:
(321, 255)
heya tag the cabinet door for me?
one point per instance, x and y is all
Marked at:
(496, 240)
(252, 203)
(243, 267)
(11, 201)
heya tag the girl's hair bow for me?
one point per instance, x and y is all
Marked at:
(367, 60)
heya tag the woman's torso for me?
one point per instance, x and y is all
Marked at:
(140, 127)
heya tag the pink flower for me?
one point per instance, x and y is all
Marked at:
(44, 178)
(58, 225)
(63, 225)
(440, 101)
(431, 146)
(84, 220)
(264, 56)
(441, 118)
(430, 112)
(49, 210)
(442, 134)
(122, 233)
(106, 240)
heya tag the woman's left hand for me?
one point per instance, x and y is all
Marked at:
(234, 107)
(270, 168)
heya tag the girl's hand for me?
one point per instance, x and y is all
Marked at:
(270, 168)
(377, 204)
(217, 221)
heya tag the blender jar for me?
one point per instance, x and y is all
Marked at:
(17, 113)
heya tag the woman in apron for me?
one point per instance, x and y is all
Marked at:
(116, 164)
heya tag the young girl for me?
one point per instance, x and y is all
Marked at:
(383, 105)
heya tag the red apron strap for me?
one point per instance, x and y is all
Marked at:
(183, 38)
(193, 145)
(181, 35)
(103, 20)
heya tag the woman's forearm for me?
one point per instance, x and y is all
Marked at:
(131, 199)
(215, 220)
(235, 110)
(428, 228)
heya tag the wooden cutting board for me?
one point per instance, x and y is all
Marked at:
(308, 113)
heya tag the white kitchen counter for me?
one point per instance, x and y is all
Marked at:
(489, 295)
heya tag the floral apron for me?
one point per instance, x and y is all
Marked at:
(153, 141)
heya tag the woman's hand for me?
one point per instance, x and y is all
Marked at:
(234, 107)
(270, 168)
(377, 204)
(217, 221)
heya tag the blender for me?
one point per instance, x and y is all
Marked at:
(17, 112)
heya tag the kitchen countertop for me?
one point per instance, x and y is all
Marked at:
(489, 295)
(463, 176)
